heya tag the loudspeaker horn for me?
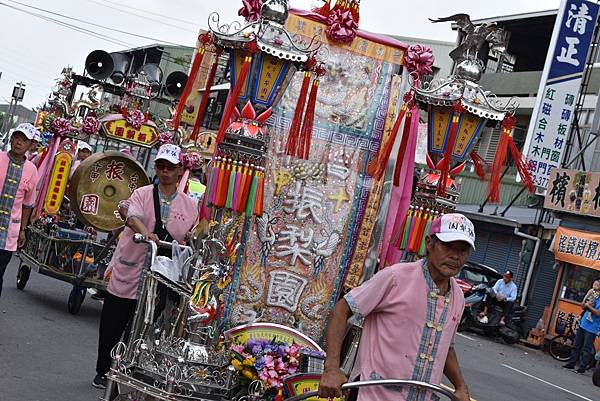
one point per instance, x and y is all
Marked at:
(175, 83)
(153, 75)
(99, 64)
(121, 65)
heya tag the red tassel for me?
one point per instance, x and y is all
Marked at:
(233, 98)
(293, 135)
(499, 158)
(377, 166)
(355, 10)
(246, 189)
(447, 159)
(221, 185)
(480, 165)
(205, 96)
(188, 86)
(324, 10)
(309, 118)
(402, 149)
(521, 166)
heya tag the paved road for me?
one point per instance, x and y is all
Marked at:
(46, 354)
(500, 372)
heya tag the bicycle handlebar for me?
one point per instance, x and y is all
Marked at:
(382, 382)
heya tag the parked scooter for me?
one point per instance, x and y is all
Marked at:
(489, 325)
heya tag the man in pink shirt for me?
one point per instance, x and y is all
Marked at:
(158, 212)
(411, 312)
(18, 178)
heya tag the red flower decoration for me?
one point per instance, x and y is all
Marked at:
(341, 26)
(419, 60)
(190, 161)
(251, 10)
(90, 125)
(135, 118)
(61, 126)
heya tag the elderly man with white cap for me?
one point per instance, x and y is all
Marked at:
(411, 312)
(18, 178)
(158, 212)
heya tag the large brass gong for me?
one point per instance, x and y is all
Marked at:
(99, 183)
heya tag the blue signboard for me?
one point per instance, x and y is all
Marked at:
(573, 41)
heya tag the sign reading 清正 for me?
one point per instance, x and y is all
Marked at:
(580, 248)
(555, 103)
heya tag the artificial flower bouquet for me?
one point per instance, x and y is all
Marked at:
(267, 361)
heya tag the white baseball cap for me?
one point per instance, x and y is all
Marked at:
(169, 152)
(84, 145)
(453, 227)
(27, 129)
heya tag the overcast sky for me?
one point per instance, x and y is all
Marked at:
(35, 50)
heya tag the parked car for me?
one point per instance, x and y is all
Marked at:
(475, 273)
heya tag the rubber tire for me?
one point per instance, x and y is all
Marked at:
(509, 335)
(561, 342)
(23, 276)
(76, 298)
(596, 375)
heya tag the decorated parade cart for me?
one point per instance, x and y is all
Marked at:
(76, 220)
(288, 212)
(308, 192)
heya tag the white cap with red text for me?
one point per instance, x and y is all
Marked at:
(453, 227)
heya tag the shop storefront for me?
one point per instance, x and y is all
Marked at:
(578, 254)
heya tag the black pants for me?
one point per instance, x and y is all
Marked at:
(583, 348)
(507, 306)
(117, 314)
(4, 259)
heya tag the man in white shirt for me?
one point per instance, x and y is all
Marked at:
(504, 294)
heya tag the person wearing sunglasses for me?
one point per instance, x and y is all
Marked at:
(158, 212)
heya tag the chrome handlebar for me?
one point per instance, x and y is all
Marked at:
(384, 382)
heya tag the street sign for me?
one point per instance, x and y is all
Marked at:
(561, 79)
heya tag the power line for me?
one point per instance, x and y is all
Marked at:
(195, 24)
(93, 23)
(142, 16)
(70, 26)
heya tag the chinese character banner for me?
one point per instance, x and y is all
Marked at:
(555, 104)
(577, 247)
(299, 251)
(574, 191)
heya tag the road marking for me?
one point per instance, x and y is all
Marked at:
(466, 336)
(545, 382)
(451, 389)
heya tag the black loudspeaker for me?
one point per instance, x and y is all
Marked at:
(99, 64)
(153, 75)
(121, 65)
(175, 83)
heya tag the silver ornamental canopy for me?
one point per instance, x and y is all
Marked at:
(268, 31)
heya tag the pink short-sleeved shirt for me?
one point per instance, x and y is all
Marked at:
(407, 330)
(128, 259)
(25, 197)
